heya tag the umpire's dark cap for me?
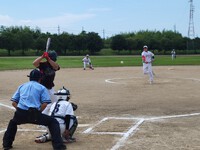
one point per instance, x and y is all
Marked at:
(35, 74)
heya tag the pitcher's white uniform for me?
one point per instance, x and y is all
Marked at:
(147, 58)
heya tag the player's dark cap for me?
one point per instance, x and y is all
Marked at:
(35, 74)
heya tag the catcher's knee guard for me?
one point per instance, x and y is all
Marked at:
(74, 126)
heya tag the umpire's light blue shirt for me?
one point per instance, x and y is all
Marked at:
(31, 94)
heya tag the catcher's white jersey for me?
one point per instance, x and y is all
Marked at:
(62, 109)
(148, 56)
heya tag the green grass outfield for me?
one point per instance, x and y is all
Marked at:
(17, 63)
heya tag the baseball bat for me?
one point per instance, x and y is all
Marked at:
(48, 44)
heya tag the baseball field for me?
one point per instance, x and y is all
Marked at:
(119, 109)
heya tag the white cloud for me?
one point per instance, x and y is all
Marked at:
(65, 20)
(5, 20)
(45, 23)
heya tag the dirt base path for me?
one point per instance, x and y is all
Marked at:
(119, 109)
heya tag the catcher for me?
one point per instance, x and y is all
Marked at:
(63, 111)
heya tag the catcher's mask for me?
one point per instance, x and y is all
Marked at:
(63, 94)
(53, 55)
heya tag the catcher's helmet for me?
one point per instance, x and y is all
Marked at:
(35, 75)
(63, 94)
(53, 55)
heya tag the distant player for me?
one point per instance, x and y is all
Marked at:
(63, 111)
(147, 59)
(173, 53)
(87, 62)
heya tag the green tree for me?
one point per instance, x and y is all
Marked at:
(94, 42)
(118, 43)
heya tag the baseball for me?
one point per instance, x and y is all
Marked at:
(122, 62)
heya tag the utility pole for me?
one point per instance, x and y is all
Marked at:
(58, 30)
(175, 28)
(103, 34)
(191, 33)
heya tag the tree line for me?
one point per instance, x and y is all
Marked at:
(18, 38)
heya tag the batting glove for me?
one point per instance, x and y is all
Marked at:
(46, 55)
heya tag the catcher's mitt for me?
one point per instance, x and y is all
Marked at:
(74, 106)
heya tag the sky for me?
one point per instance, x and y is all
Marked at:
(105, 17)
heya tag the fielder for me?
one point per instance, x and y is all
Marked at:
(147, 59)
(63, 111)
(87, 62)
(173, 54)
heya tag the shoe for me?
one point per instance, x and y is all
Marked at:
(42, 139)
(151, 82)
(83, 68)
(69, 140)
(7, 147)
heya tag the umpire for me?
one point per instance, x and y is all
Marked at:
(29, 100)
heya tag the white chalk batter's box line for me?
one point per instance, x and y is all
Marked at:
(132, 129)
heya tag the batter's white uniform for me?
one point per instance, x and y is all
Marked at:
(147, 64)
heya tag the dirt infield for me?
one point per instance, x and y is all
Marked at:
(119, 109)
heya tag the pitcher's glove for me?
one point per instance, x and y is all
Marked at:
(74, 106)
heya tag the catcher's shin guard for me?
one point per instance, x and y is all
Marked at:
(74, 126)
